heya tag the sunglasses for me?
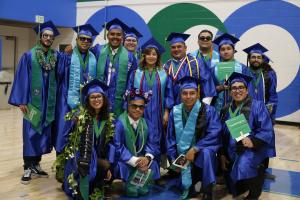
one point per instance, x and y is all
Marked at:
(203, 38)
(136, 106)
(85, 39)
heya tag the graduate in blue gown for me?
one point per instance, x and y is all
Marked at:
(194, 131)
(264, 82)
(79, 67)
(182, 64)
(206, 52)
(137, 148)
(85, 161)
(131, 42)
(35, 85)
(115, 64)
(151, 77)
(226, 44)
(242, 161)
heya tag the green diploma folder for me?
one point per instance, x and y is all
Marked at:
(33, 115)
(238, 127)
(225, 69)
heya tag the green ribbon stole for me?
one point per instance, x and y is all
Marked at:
(98, 129)
(82, 63)
(150, 79)
(236, 112)
(258, 76)
(131, 136)
(36, 88)
(120, 60)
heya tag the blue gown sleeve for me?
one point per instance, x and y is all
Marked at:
(171, 139)
(208, 88)
(96, 50)
(212, 138)
(262, 124)
(153, 143)
(169, 98)
(120, 143)
(273, 93)
(20, 92)
(63, 62)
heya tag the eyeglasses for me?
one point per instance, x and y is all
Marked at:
(136, 106)
(85, 39)
(46, 36)
(203, 38)
(95, 98)
(238, 89)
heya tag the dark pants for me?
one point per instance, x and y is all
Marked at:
(31, 160)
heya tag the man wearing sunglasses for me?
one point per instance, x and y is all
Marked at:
(206, 52)
(78, 67)
(137, 149)
(34, 92)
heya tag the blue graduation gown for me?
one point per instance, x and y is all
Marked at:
(112, 81)
(207, 146)
(223, 97)
(245, 164)
(100, 151)
(154, 109)
(122, 154)
(207, 87)
(212, 61)
(260, 95)
(34, 144)
(62, 107)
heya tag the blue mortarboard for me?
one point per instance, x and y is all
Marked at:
(189, 82)
(94, 86)
(132, 32)
(46, 26)
(116, 24)
(152, 43)
(177, 37)
(226, 39)
(256, 48)
(266, 59)
(86, 29)
(238, 77)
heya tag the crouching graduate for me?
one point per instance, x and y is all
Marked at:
(244, 150)
(84, 162)
(194, 133)
(136, 147)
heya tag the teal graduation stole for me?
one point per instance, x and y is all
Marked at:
(185, 137)
(75, 75)
(131, 137)
(36, 87)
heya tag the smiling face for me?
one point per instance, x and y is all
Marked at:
(238, 91)
(178, 50)
(226, 52)
(151, 58)
(96, 101)
(130, 43)
(255, 60)
(115, 38)
(84, 43)
(205, 40)
(47, 38)
(136, 108)
(189, 97)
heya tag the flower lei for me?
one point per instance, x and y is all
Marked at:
(83, 118)
(137, 92)
(50, 65)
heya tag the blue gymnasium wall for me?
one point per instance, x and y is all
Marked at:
(61, 12)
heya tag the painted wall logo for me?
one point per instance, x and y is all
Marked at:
(183, 16)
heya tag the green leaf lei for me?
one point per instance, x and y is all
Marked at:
(82, 117)
(47, 63)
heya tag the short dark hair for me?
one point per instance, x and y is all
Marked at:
(205, 31)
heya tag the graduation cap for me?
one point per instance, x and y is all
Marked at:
(86, 29)
(177, 37)
(238, 77)
(152, 43)
(94, 86)
(46, 26)
(132, 32)
(116, 24)
(256, 48)
(189, 82)
(226, 39)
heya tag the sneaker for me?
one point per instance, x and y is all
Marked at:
(26, 178)
(37, 171)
